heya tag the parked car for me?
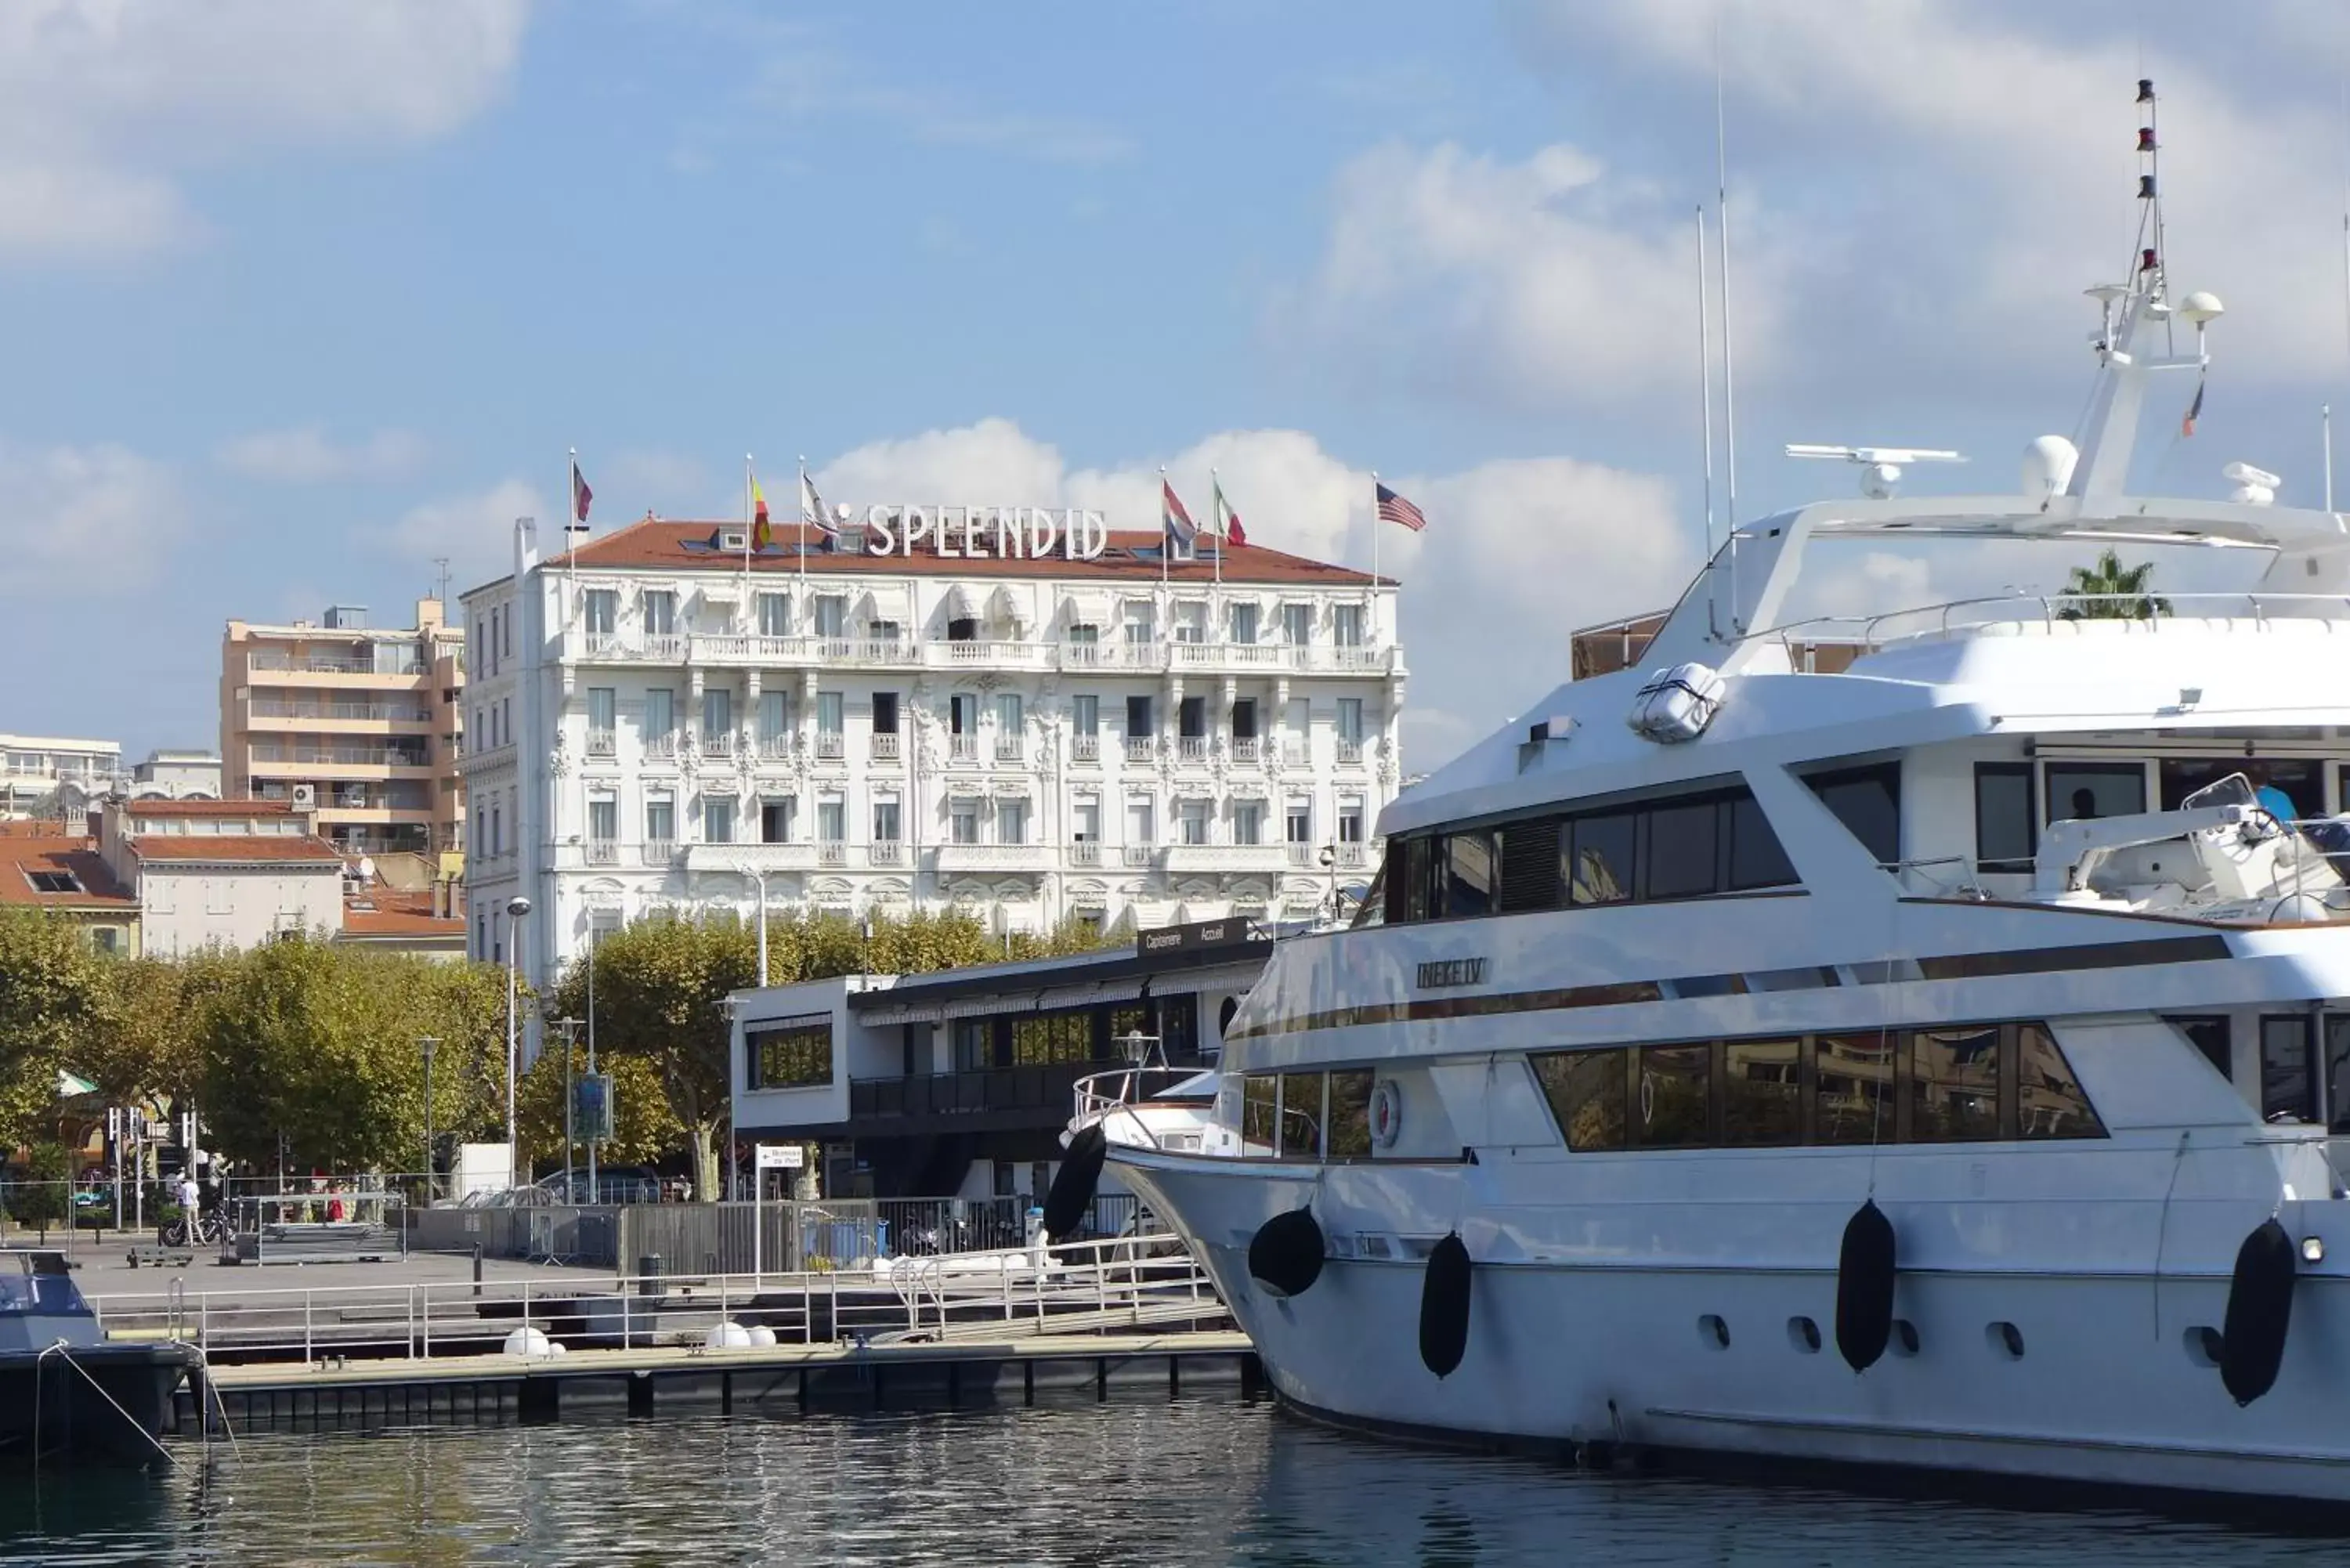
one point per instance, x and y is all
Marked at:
(614, 1184)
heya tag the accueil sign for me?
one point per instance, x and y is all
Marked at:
(985, 532)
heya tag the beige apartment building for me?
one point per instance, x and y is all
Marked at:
(354, 723)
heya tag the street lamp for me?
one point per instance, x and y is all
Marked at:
(1330, 864)
(428, 1044)
(517, 908)
(570, 1027)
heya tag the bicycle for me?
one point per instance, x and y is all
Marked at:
(211, 1230)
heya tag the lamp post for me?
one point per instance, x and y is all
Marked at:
(1330, 864)
(428, 1044)
(570, 1027)
(729, 1009)
(517, 908)
(592, 1189)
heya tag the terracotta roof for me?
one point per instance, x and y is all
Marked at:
(287, 849)
(658, 544)
(207, 808)
(23, 855)
(386, 912)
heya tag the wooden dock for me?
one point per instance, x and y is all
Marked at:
(963, 1371)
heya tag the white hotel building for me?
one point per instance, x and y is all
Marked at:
(887, 726)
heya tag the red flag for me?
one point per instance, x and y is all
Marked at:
(580, 495)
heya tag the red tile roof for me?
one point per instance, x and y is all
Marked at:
(287, 849)
(207, 808)
(24, 853)
(389, 912)
(653, 543)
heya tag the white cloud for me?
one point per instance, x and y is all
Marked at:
(309, 456)
(1517, 551)
(474, 530)
(63, 510)
(104, 102)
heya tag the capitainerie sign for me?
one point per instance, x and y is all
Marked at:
(986, 533)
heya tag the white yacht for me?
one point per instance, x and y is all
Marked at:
(1910, 1040)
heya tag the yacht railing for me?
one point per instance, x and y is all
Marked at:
(2145, 612)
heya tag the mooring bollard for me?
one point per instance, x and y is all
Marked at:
(477, 1268)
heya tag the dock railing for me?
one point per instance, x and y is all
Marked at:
(1107, 1286)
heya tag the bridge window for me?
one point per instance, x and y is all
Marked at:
(2078, 792)
(1301, 1116)
(2007, 833)
(1672, 1106)
(1867, 801)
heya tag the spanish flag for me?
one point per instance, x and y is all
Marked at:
(762, 531)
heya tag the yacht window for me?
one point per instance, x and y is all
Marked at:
(1260, 1105)
(1756, 860)
(1680, 862)
(1351, 1115)
(1867, 801)
(2051, 1102)
(2297, 777)
(1599, 859)
(1585, 1091)
(2212, 1037)
(1301, 1116)
(1852, 1099)
(2288, 1071)
(1413, 890)
(1672, 1106)
(2078, 792)
(2007, 834)
(1468, 874)
(1761, 1092)
(1953, 1085)
(1529, 858)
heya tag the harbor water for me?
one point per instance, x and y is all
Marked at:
(1135, 1479)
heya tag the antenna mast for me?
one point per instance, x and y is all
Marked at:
(1705, 379)
(443, 562)
(1729, 359)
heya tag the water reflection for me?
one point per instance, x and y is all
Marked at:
(1139, 1479)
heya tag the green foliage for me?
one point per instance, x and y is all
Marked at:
(2111, 591)
(644, 1128)
(49, 991)
(44, 1198)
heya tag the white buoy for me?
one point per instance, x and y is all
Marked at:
(529, 1342)
(762, 1336)
(726, 1334)
(2048, 464)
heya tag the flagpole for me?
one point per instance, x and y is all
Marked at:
(803, 521)
(750, 521)
(1166, 534)
(570, 554)
(1215, 503)
(1375, 529)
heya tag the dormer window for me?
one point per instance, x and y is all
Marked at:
(54, 881)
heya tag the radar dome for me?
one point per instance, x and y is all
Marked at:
(2048, 466)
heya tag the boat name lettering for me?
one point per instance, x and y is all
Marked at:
(986, 533)
(1453, 972)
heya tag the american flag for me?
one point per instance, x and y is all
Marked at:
(1394, 508)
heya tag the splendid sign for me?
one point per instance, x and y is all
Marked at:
(986, 533)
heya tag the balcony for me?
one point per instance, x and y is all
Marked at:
(779, 746)
(1085, 852)
(990, 655)
(885, 852)
(664, 648)
(1225, 857)
(1303, 856)
(831, 745)
(659, 851)
(999, 1098)
(1191, 748)
(960, 857)
(603, 852)
(1245, 750)
(1010, 748)
(1141, 748)
(1353, 857)
(752, 856)
(603, 744)
(1085, 748)
(664, 744)
(1351, 754)
(1138, 857)
(885, 746)
(832, 852)
(718, 742)
(1294, 751)
(962, 748)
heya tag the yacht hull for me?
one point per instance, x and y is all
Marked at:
(108, 1405)
(2113, 1386)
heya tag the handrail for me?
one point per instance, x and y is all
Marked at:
(2051, 608)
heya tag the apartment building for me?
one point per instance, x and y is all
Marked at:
(929, 710)
(51, 777)
(357, 723)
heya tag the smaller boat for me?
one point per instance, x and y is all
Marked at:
(64, 1391)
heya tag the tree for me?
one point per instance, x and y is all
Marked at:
(49, 991)
(139, 1040)
(644, 1128)
(2111, 591)
(45, 1195)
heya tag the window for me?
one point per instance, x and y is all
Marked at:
(1867, 801)
(963, 714)
(1672, 1103)
(1350, 721)
(52, 881)
(885, 822)
(2297, 777)
(1088, 829)
(1349, 1131)
(1297, 822)
(962, 628)
(1301, 1116)
(831, 617)
(962, 822)
(603, 611)
(792, 1055)
(1007, 715)
(2288, 1068)
(2050, 1100)
(1350, 821)
(828, 712)
(1138, 626)
(1259, 1112)
(774, 717)
(774, 615)
(1954, 1084)
(1137, 718)
(603, 705)
(717, 714)
(1247, 822)
(603, 820)
(1141, 826)
(1598, 869)
(2007, 833)
(1465, 866)
(1239, 623)
(1347, 625)
(718, 820)
(884, 712)
(1191, 815)
(661, 718)
(832, 820)
(776, 819)
(1756, 859)
(661, 821)
(2213, 1038)
(660, 612)
(1085, 714)
(2079, 792)
(1011, 822)
(1192, 622)
(1762, 1093)
(497, 832)
(1585, 1091)
(1680, 861)
(1853, 1088)
(1191, 718)
(1244, 719)
(1297, 624)
(883, 631)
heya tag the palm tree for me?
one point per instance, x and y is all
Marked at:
(2111, 591)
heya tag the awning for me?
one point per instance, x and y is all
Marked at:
(1007, 608)
(957, 604)
(69, 1085)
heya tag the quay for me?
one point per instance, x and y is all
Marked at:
(498, 1388)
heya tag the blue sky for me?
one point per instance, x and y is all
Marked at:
(296, 299)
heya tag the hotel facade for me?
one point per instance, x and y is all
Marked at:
(1022, 714)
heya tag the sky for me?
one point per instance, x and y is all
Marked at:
(298, 300)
